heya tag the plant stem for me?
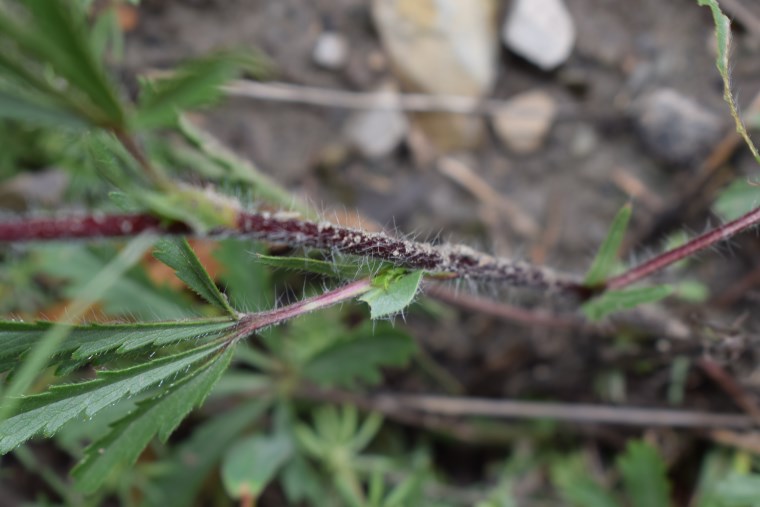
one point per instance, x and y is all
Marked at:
(695, 245)
(252, 322)
(459, 260)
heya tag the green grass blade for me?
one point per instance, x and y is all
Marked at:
(607, 256)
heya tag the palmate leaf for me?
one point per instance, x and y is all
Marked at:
(45, 413)
(157, 416)
(83, 342)
(359, 360)
(177, 254)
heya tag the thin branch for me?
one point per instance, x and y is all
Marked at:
(571, 412)
(414, 409)
(385, 100)
(695, 245)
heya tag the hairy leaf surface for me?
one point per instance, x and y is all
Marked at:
(45, 413)
(157, 416)
(177, 254)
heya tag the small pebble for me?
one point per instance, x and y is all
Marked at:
(376, 133)
(541, 31)
(525, 121)
(331, 51)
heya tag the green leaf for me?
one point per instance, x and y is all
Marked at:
(85, 341)
(157, 416)
(344, 270)
(253, 462)
(644, 476)
(723, 37)
(177, 254)
(195, 458)
(135, 294)
(393, 292)
(736, 199)
(607, 256)
(738, 491)
(360, 359)
(570, 477)
(194, 84)
(45, 413)
(18, 107)
(614, 301)
(247, 283)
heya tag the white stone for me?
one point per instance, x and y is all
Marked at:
(524, 122)
(377, 132)
(541, 31)
(331, 51)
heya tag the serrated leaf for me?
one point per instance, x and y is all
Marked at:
(157, 416)
(393, 295)
(45, 413)
(359, 360)
(617, 300)
(68, 50)
(723, 37)
(17, 338)
(193, 459)
(194, 84)
(253, 462)
(644, 476)
(177, 254)
(607, 256)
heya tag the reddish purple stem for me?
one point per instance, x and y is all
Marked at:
(253, 322)
(695, 245)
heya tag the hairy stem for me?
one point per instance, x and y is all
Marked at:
(695, 245)
(286, 228)
(252, 322)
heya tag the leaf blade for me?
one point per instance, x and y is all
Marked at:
(644, 476)
(158, 416)
(178, 255)
(613, 301)
(394, 293)
(605, 259)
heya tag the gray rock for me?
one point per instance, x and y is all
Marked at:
(676, 129)
(541, 31)
(331, 51)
